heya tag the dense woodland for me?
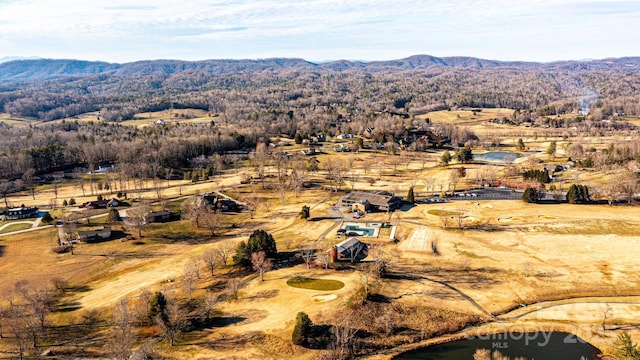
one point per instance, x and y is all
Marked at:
(284, 97)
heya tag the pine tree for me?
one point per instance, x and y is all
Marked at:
(410, 196)
(302, 330)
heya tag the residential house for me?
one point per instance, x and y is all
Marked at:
(101, 233)
(160, 216)
(350, 249)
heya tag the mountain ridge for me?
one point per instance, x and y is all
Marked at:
(27, 70)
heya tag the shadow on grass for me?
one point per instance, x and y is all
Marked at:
(261, 295)
(80, 288)
(68, 307)
(321, 218)
(2, 247)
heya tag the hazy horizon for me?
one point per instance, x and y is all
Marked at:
(318, 30)
(15, 58)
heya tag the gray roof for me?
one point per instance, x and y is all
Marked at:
(364, 197)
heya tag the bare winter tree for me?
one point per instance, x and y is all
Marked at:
(454, 176)
(211, 260)
(121, 337)
(196, 209)
(212, 221)
(209, 303)
(190, 275)
(261, 263)
(307, 255)
(174, 321)
(344, 339)
(224, 252)
(136, 218)
(233, 286)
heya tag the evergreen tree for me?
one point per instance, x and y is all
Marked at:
(410, 196)
(302, 330)
(530, 195)
(46, 218)
(298, 138)
(157, 307)
(114, 216)
(260, 240)
(305, 212)
(445, 159)
(624, 349)
(464, 155)
(578, 194)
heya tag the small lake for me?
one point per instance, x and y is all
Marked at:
(534, 345)
(503, 156)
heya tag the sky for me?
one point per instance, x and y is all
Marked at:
(319, 30)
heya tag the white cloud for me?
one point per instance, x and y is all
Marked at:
(129, 30)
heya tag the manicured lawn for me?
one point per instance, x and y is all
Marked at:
(315, 284)
(438, 212)
(15, 227)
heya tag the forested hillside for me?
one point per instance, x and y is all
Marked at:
(254, 99)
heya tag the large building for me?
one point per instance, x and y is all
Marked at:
(365, 201)
(21, 213)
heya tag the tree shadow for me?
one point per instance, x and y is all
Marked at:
(2, 250)
(321, 218)
(68, 307)
(266, 294)
(80, 288)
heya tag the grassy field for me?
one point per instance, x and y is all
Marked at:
(466, 117)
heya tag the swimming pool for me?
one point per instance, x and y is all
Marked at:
(360, 231)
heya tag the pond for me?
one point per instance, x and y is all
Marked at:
(503, 156)
(533, 345)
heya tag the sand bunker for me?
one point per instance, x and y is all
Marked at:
(323, 298)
